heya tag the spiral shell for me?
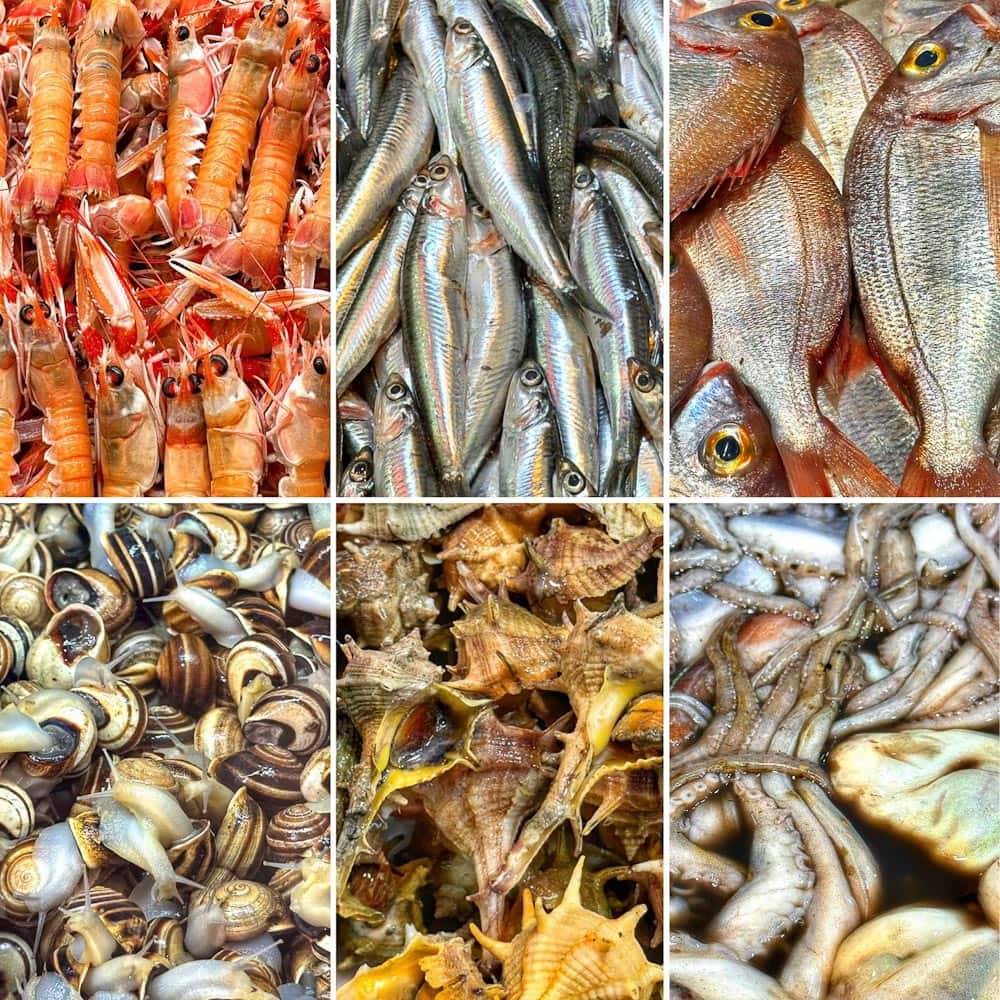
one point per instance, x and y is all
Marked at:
(120, 712)
(10, 523)
(136, 657)
(254, 666)
(239, 842)
(299, 534)
(270, 775)
(186, 669)
(314, 782)
(317, 555)
(194, 856)
(16, 637)
(106, 595)
(137, 561)
(165, 726)
(229, 537)
(248, 908)
(148, 769)
(85, 826)
(295, 830)
(73, 633)
(17, 811)
(258, 616)
(219, 732)
(67, 719)
(259, 972)
(165, 938)
(17, 963)
(294, 717)
(19, 879)
(22, 595)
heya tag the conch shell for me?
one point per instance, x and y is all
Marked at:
(573, 952)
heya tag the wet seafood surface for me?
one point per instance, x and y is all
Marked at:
(834, 751)
(499, 248)
(165, 219)
(165, 752)
(499, 744)
(835, 243)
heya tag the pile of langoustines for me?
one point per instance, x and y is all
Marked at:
(499, 751)
(164, 793)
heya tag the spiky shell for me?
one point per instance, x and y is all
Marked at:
(570, 563)
(452, 974)
(407, 522)
(573, 953)
(503, 649)
(626, 520)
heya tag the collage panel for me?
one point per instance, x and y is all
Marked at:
(165, 218)
(165, 729)
(499, 245)
(499, 727)
(834, 751)
(835, 321)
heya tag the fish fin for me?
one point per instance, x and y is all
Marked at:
(979, 478)
(579, 296)
(837, 462)
(989, 166)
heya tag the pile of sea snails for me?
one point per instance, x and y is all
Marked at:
(499, 751)
(164, 752)
(834, 752)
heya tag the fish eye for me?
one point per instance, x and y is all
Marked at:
(313, 64)
(531, 377)
(319, 366)
(923, 59)
(643, 381)
(792, 4)
(194, 381)
(115, 376)
(574, 482)
(360, 471)
(183, 32)
(170, 387)
(219, 365)
(27, 314)
(439, 172)
(395, 391)
(463, 27)
(759, 20)
(582, 178)
(282, 17)
(728, 450)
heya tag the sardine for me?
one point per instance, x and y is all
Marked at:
(358, 479)
(646, 384)
(648, 469)
(632, 151)
(734, 73)
(601, 257)
(398, 147)
(772, 255)
(529, 442)
(720, 442)
(423, 34)
(351, 273)
(402, 464)
(497, 333)
(569, 481)
(638, 100)
(922, 186)
(355, 422)
(560, 342)
(690, 324)
(643, 20)
(364, 79)
(434, 324)
(375, 311)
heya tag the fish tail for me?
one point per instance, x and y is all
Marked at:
(978, 478)
(836, 462)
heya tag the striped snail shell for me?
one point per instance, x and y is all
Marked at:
(295, 830)
(17, 963)
(73, 633)
(295, 717)
(187, 547)
(254, 666)
(106, 595)
(166, 724)
(239, 842)
(165, 937)
(275, 519)
(316, 634)
(22, 595)
(186, 669)
(257, 616)
(40, 561)
(16, 691)
(277, 594)
(85, 825)
(309, 963)
(262, 975)
(16, 637)
(19, 879)
(245, 514)
(314, 779)
(137, 561)
(316, 558)
(149, 769)
(17, 811)
(135, 660)
(11, 522)
(270, 775)
(248, 908)
(218, 732)
(230, 538)
(193, 856)
(299, 534)
(120, 712)
(67, 719)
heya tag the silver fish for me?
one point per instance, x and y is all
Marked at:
(358, 479)
(434, 323)
(643, 20)
(402, 464)
(638, 100)
(529, 442)
(497, 331)
(569, 481)
(423, 35)
(646, 384)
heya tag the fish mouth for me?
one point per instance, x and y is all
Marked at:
(705, 40)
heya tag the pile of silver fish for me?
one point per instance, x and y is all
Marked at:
(834, 751)
(499, 245)
(835, 248)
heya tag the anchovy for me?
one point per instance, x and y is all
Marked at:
(529, 442)
(423, 35)
(632, 151)
(402, 464)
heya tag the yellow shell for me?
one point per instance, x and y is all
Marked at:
(573, 953)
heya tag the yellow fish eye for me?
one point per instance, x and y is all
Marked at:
(792, 4)
(923, 59)
(728, 450)
(760, 20)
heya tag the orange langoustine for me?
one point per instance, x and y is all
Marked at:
(132, 228)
